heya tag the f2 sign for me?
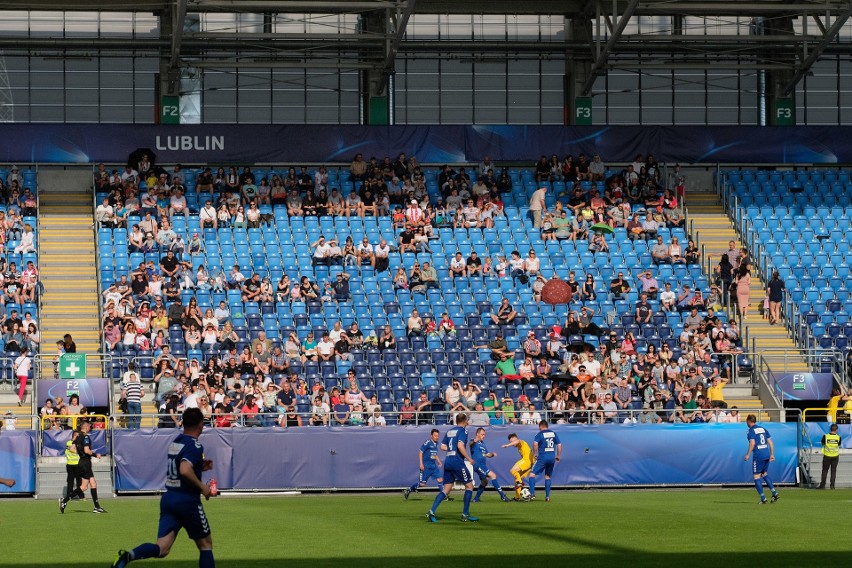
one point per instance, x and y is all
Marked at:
(170, 110)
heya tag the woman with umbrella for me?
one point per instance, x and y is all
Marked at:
(598, 242)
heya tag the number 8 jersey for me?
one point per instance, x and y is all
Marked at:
(761, 436)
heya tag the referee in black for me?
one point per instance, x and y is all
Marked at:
(83, 444)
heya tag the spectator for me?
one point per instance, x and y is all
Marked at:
(684, 298)
(650, 227)
(473, 265)
(505, 368)
(587, 292)
(691, 254)
(446, 327)
(532, 264)
(650, 286)
(743, 289)
(341, 287)
(733, 254)
(429, 276)
(668, 299)
(598, 243)
(478, 416)
(376, 419)
(387, 341)
(618, 287)
(675, 252)
(775, 293)
(530, 415)
(381, 258)
(643, 310)
(498, 347)
(660, 252)
(322, 252)
(414, 325)
(458, 267)
(596, 169)
(407, 412)
(319, 413)
(532, 346)
(400, 279)
(505, 313)
(364, 252)
(453, 397)
(537, 200)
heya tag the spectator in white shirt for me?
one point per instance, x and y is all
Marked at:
(207, 215)
(322, 252)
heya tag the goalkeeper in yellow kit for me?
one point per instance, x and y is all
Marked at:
(523, 466)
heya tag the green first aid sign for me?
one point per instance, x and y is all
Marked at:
(72, 366)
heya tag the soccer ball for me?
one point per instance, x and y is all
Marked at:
(525, 493)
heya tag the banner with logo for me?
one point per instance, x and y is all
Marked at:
(802, 386)
(92, 392)
(316, 143)
(366, 458)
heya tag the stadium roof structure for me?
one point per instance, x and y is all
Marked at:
(782, 37)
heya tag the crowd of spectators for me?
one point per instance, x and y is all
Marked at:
(19, 275)
(258, 381)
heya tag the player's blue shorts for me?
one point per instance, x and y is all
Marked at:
(430, 472)
(482, 472)
(461, 474)
(760, 466)
(543, 466)
(177, 513)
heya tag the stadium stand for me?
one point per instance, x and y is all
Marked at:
(796, 223)
(19, 275)
(276, 245)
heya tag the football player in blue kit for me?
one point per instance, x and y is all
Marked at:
(480, 454)
(548, 449)
(430, 464)
(180, 505)
(760, 442)
(455, 469)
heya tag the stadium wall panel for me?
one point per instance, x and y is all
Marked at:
(367, 458)
(18, 460)
(234, 144)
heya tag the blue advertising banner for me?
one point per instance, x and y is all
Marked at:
(236, 144)
(314, 458)
(53, 442)
(816, 430)
(803, 386)
(92, 392)
(18, 460)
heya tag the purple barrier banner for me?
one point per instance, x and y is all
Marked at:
(92, 392)
(816, 430)
(803, 386)
(240, 144)
(18, 460)
(53, 442)
(365, 458)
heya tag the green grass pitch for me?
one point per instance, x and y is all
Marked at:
(690, 528)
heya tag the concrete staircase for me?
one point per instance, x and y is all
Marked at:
(712, 228)
(844, 468)
(67, 265)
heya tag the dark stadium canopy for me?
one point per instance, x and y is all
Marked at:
(786, 37)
